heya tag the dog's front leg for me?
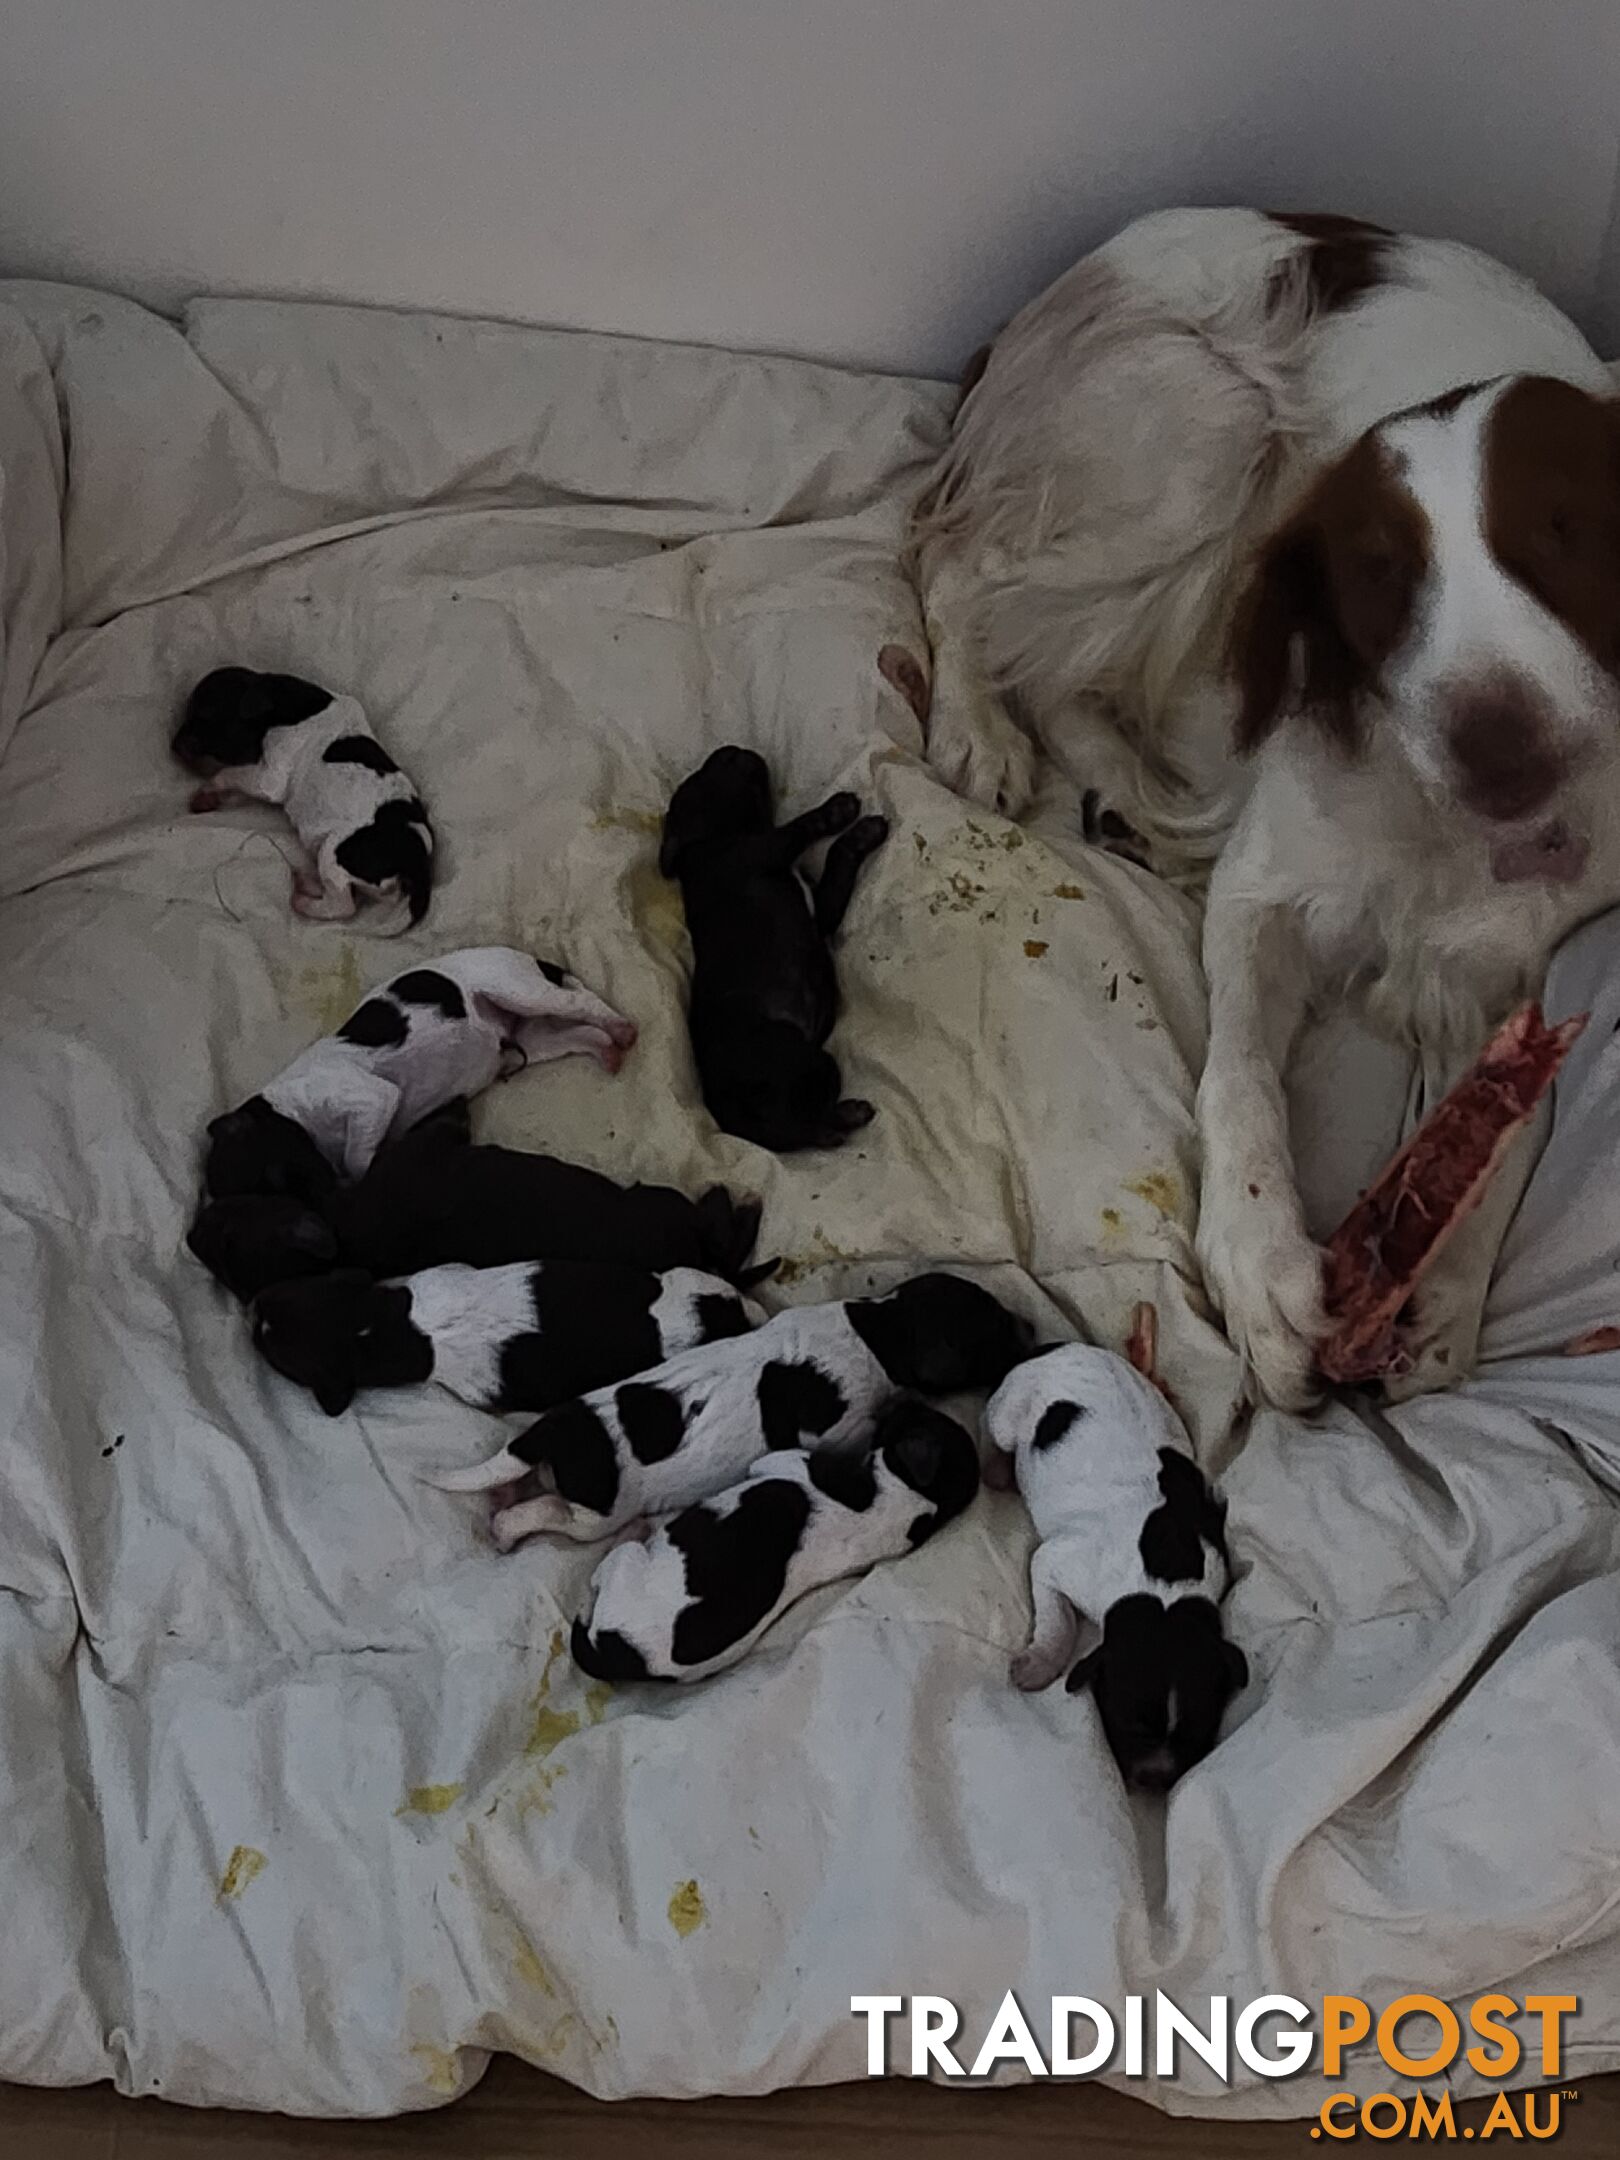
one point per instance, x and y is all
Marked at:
(1259, 1263)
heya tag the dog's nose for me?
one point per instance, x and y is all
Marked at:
(1508, 767)
(1155, 1773)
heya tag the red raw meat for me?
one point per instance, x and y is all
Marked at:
(1400, 1225)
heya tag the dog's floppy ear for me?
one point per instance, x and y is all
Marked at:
(1085, 1672)
(915, 1456)
(334, 1393)
(1285, 615)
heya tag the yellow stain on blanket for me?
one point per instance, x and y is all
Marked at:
(621, 819)
(549, 1729)
(441, 2070)
(597, 1699)
(328, 990)
(1160, 1190)
(1068, 892)
(655, 906)
(245, 1865)
(430, 1799)
(687, 1911)
(527, 1965)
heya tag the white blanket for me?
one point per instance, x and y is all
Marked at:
(305, 1807)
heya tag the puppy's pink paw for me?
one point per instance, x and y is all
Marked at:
(205, 798)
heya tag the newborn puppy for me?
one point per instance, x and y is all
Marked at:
(279, 739)
(432, 1197)
(764, 994)
(503, 1338)
(707, 1583)
(426, 1037)
(1132, 1539)
(816, 1375)
(256, 1239)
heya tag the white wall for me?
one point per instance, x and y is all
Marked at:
(878, 181)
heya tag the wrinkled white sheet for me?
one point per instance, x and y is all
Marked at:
(304, 1808)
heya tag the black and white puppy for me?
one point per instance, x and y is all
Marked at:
(502, 1338)
(421, 1040)
(432, 1197)
(1131, 1539)
(764, 991)
(815, 1375)
(279, 739)
(704, 1586)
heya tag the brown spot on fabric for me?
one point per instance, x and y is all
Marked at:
(245, 1865)
(1068, 892)
(904, 672)
(687, 1911)
(1345, 258)
(1035, 947)
(1335, 583)
(1552, 504)
(1254, 1192)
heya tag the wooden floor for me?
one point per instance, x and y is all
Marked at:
(517, 2111)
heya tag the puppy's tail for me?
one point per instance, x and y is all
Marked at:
(506, 1468)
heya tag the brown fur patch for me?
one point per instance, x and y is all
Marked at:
(1552, 504)
(1345, 258)
(1334, 585)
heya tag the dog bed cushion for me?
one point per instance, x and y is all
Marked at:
(306, 1807)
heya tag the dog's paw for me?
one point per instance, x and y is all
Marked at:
(982, 754)
(1265, 1276)
(204, 799)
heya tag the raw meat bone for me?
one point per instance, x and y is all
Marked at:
(1385, 1246)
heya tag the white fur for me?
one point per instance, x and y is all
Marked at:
(1139, 430)
(325, 804)
(1088, 1495)
(348, 1097)
(717, 1385)
(470, 1314)
(639, 1590)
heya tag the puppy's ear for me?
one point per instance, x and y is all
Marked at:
(1085, 1672)
(1237, 1667)
(915, 1456)
(334, 1392)
(230, 1124)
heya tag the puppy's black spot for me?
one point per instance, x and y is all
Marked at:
(795, 1399)
(579, 1449)
(736, 1566)
(396, 844)
(358, 750)
(1174, 1536)
(653, 1420)
(426, 986)
(1057, 1419)
(593, 1325)
(553, 974)
(848, 1479)
(378, 1025)
(606, 1656)
(719, 1317)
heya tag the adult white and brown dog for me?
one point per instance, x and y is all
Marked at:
(1297, 543)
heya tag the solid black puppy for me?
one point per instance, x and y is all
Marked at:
(764, 992)
(432, 1197)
